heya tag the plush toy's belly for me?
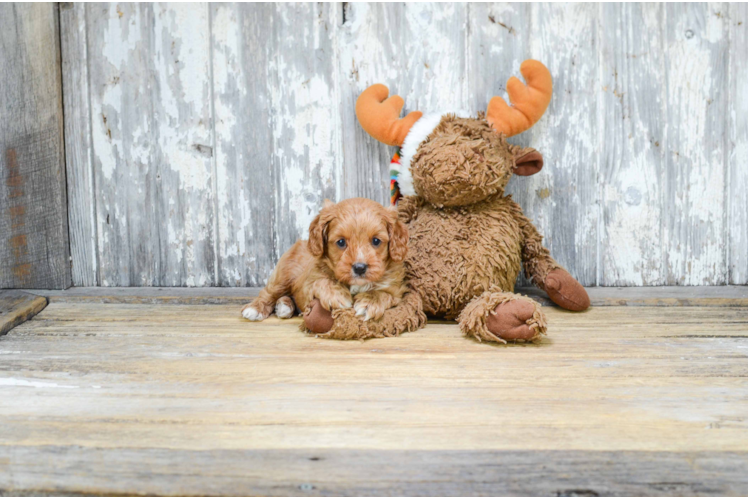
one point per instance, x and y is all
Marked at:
(456, 254)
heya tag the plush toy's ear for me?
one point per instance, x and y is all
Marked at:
(528, 163)
(318, 230)
(398, 233)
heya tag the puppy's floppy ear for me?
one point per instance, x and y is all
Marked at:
(398, 233)
(318, 230)
(316, 241)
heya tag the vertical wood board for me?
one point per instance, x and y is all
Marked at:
(153, 145)
(633, 96)
(245, 175)
(696, 49)
(34, 248)
(122, 120)
(79, 168)
(736, 230)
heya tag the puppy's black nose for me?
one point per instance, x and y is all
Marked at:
(359, 268)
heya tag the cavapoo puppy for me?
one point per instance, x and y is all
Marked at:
(353, 258)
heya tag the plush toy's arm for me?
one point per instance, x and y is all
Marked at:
(536, 258)
(545, 272)
(407, 208)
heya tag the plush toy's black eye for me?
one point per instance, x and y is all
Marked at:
(376, 242)
(340, 243)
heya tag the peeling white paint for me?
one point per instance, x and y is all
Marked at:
(696, 148)
(304, 117)
(631, 190)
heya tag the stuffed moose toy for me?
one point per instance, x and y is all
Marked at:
(468, 241)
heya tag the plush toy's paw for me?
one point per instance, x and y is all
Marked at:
(565, 291)
(498, 316)
(316, 318)
(509, 320)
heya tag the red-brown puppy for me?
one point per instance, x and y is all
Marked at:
(353, 258)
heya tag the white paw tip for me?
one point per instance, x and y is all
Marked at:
(252, 314)
(360, 310)
(283, 311)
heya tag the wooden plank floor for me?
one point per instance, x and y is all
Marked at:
(175, 399)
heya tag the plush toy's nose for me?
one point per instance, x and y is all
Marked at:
(359, 268)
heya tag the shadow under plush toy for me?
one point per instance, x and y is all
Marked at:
(468, 241)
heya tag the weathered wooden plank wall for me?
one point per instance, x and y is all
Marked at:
(203, 138)
(34, 249)
(736, 239)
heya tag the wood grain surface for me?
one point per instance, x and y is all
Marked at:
(16, 307)
(736, 235)
(152, 139)
(228, 125)
(84, 244)
(188, 399)
(34, 249)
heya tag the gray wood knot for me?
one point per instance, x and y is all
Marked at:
(206, 151)
(632, 196)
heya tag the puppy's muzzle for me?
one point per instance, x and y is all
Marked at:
(359, 268)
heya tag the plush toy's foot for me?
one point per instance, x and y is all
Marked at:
(565, 291)
(317, 319)
(509, 320)
(497, 316)
(343, 324)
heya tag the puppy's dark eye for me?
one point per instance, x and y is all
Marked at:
(376, 242)
(340, 243)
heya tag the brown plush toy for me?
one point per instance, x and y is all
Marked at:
(468, 241)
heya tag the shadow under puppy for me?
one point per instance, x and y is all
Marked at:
(353, 259)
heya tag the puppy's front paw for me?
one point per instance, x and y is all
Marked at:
(368, 310)
(372, 306)
(285, 308)
(336, 299)
(252, 314)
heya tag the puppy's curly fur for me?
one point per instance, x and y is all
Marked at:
(353, 259)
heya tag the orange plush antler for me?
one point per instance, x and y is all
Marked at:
(378, 115)
(528, 102)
